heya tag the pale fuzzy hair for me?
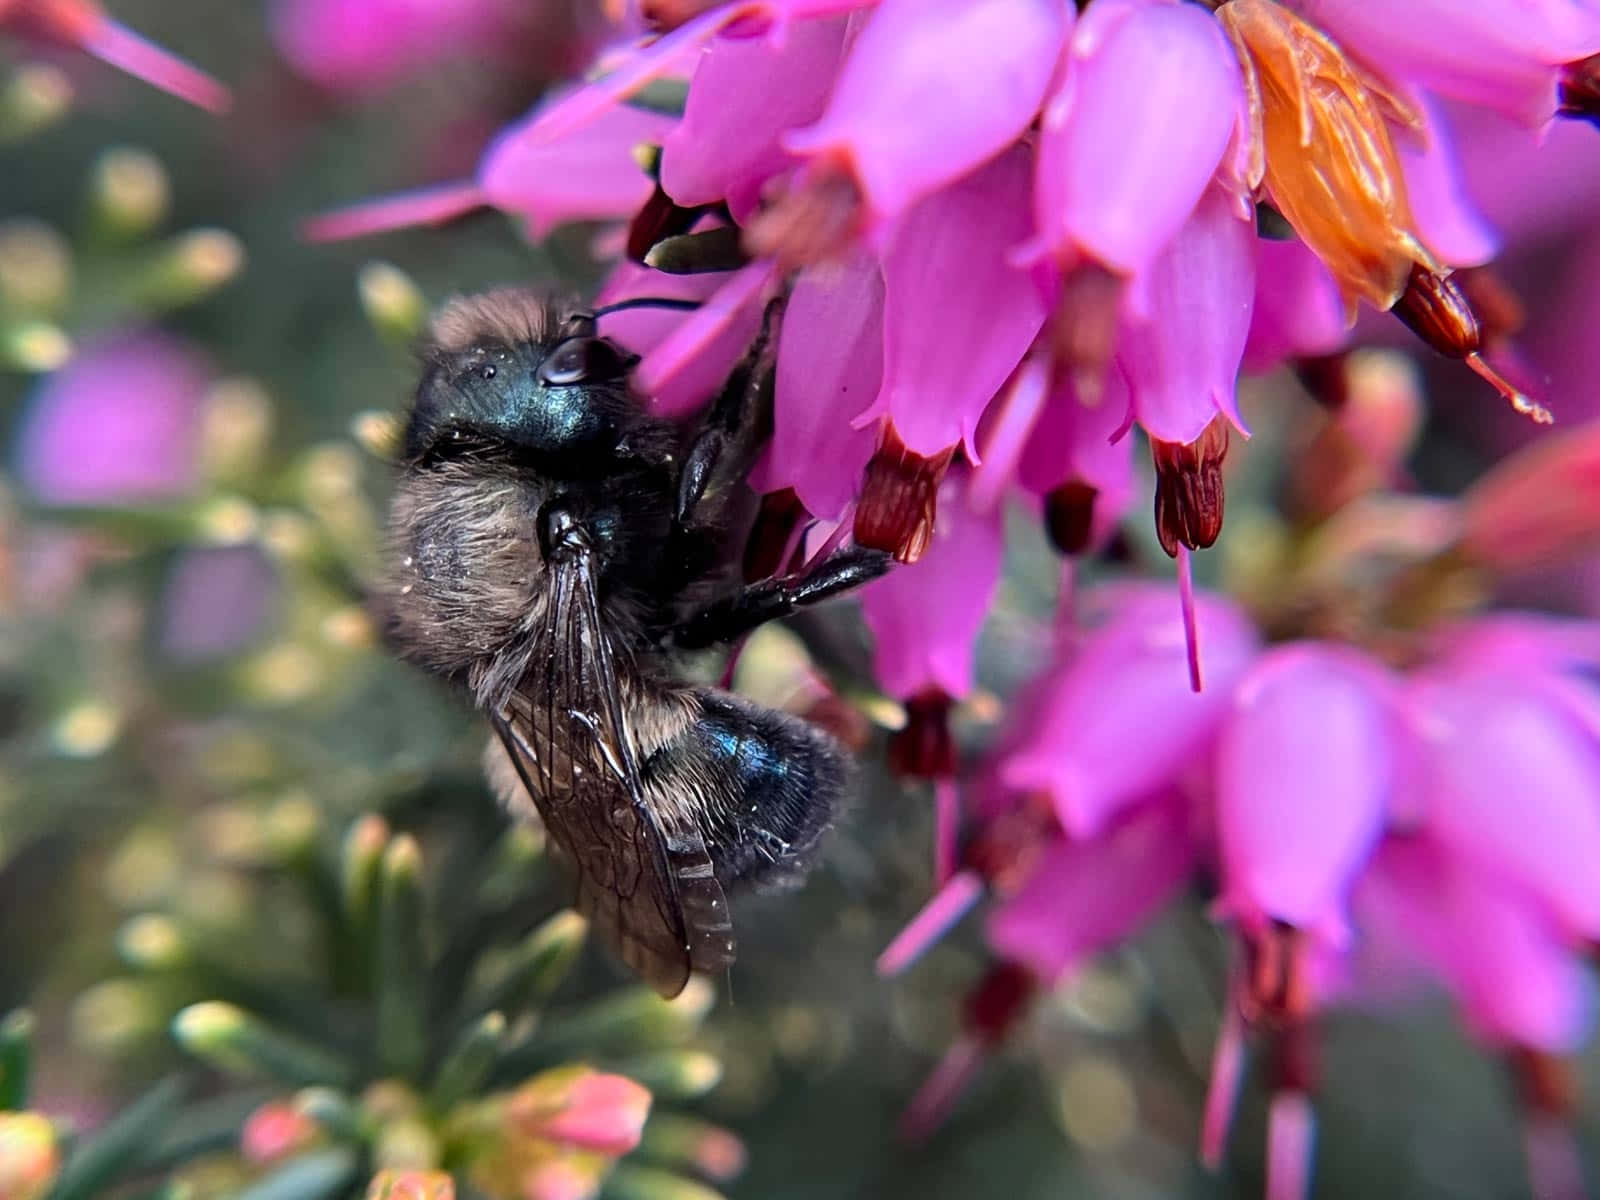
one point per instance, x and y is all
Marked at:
(508, 314)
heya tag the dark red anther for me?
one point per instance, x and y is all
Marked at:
(1069, 516)
(1005, 849)
(1438, 312)
(836, 715)
(772, 538)
(900, 499)
(1189, 491)
(1001, 999)
(1294, 1063)
(1580, 89)
(1277, 991)
(1546, 1083)
(925, 748)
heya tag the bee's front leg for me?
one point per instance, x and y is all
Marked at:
(736, 615)
(738, 422)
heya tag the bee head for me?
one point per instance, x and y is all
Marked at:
(505, 371)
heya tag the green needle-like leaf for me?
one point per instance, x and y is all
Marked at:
(402, 961)
(120, 1144)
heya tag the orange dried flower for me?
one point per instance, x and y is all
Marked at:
(1323, 151)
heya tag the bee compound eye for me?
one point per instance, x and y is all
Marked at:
(581, 360)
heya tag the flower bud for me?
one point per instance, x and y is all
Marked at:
(1330, 166)
(29, 1157)
(275, 1131)
(129, 193)
(391, 1184)
(36, 96)
(394, 304)
(582, 1108)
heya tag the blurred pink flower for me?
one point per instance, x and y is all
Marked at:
(357, 45)
(84, 25)
(1444, 820)
(217, 601)
(119, 423)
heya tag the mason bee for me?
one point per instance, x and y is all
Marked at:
(554, 547)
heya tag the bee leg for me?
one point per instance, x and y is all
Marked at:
(737, 422)
(736, 615)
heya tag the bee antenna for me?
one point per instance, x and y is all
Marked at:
(648, 302)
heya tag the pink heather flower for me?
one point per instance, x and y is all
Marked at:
(925, 617)
(590, 175)
(1118, 173)
(1082, 897)
(830, 369)
(1089, 745)
(1503, 54)
(1449, 223)
(1298, 312)
(117, 424)
(1510, 777)
(1305, 765)
(217, 601)
(1517, 982)
(83, 25)
(1181, 356)
(359, 45)
(937, 377)
(727, 147)
(904, 124)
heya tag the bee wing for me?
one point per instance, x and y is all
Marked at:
(648, 891)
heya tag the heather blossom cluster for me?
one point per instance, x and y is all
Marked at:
(1006, 233)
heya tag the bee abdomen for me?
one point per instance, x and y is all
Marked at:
(766, 784)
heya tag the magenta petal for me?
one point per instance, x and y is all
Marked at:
(1072, 441)
(641, 330)
(143, 59)
(689, 365)
(1116, 719)
(1298, 311)
(726, 147)
(1511, 782)
(1448, 222)
(925, 617)
(934, 88)
(937, 377)
(1517, 984)
(1503, 54)
(1084, 896)
(1182, 361)
(358, 44)
(1520, 642)
(423, 206)
(589, 175)
(830, 365)
(1304, 768)
(1117, 174)
(119, 423)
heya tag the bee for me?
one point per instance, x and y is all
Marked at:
(556, 548)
